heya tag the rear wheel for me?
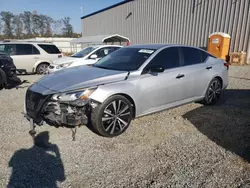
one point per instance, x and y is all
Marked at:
(213, 92)
(42, 68)
(112, 117)
(2, 79)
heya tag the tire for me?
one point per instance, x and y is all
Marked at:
(2, 79)
(213, 92)
(108, 121)
(41, 68)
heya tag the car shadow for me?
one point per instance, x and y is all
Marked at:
(38, 166)
(227, 123)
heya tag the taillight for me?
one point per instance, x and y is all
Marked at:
(227, 65)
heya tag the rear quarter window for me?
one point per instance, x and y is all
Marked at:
(50, 49)
(191, 56)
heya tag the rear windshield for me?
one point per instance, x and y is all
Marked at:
(50, 49)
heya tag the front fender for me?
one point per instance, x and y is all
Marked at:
(103, 92)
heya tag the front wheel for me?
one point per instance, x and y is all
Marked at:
(213, 92)
(112, 117)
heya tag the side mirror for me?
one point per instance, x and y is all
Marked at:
(93, 56)
(156, 69)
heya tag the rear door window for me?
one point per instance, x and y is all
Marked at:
(50, 49)
(26, 49)
(168, 58)
(191, 56)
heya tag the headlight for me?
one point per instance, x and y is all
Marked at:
(76, 98)
(65, 65)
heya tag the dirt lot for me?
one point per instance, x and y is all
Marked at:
(190, 146)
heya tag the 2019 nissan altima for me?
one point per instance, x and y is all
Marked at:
(128, 83)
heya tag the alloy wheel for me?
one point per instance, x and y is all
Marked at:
(214, 91)
(116, 117)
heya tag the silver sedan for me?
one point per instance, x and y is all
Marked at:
(128, 83)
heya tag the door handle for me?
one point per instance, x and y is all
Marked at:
(36, 58)
(209, 67)
(179, 76)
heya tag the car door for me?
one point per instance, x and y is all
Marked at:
(26, 56)
(194, 69)
(161, 89)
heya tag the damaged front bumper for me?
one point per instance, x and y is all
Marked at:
(39, 109)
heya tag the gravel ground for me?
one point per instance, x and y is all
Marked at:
(189, 146)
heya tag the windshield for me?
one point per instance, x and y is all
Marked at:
(125, 59)
(83, 52)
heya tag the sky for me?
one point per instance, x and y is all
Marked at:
(58, 9)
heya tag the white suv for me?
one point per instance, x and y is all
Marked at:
(31, 57)
(87, 56)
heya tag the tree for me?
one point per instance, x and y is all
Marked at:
(57, 27)
(67, 29)
(18, 26)
(37, 24)
(27, 21)
(7, 19)
(1, 27)
(48, 22)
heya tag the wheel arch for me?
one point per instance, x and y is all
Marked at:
(219, 78)
(39, 63)
(130, 100)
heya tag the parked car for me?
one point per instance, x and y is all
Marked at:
(128, 83)
(87, 56)
(7, 71)
(31, 57)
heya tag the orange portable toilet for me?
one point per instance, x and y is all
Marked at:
(218, 44)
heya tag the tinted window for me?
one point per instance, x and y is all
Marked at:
(26, 49)
(8, 49)
(104, 51)
(191, 56)
(50, 49)
(125, 59)
(84, 52)
(35, 50)
(168, 58)
(204, 56)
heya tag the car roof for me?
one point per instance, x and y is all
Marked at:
(157, 46)
(26, 42)
(106, 45)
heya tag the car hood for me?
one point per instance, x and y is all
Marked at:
(76, 78)
(63, 60)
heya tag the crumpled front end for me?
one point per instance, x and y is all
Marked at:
(45, 108)
(65, 115)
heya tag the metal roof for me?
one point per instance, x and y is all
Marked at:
(99, 39)
(107, 8)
